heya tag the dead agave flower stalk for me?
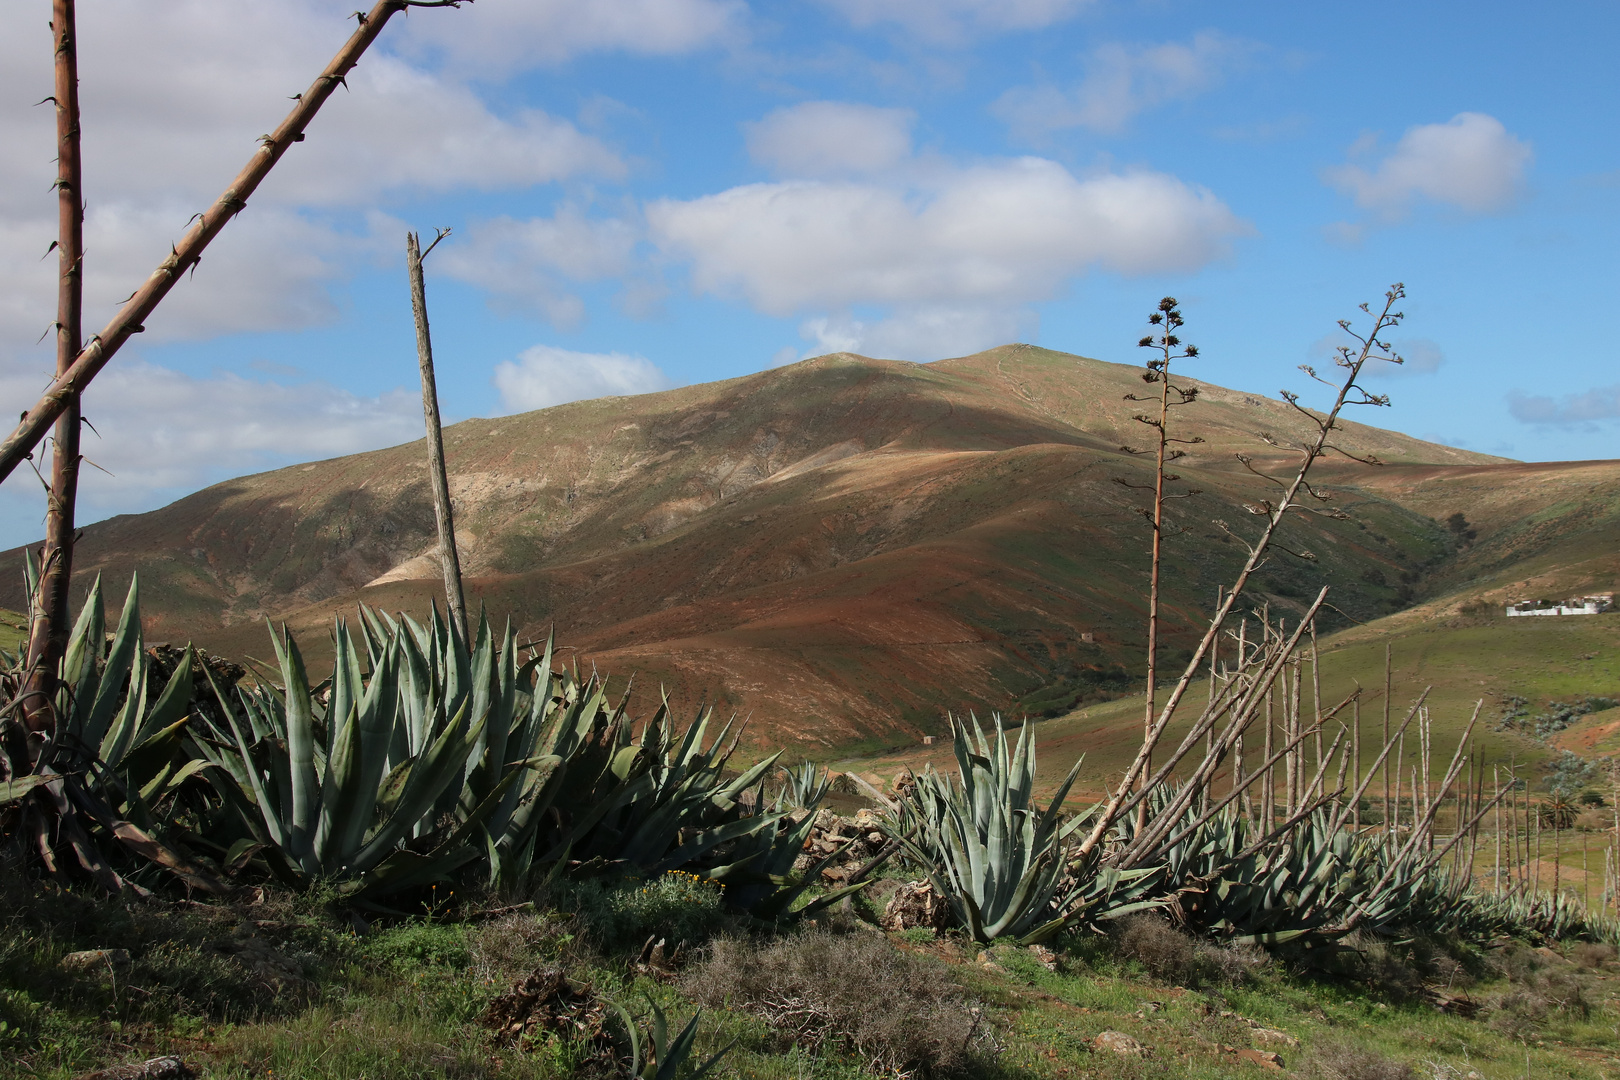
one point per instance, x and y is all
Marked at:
(448, 556)
(1171, 395)
(1293, 495)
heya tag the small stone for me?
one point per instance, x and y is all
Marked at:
(163, 1068)
(1263, 1058)
(96, 959)
(1044, 956)
(1120, 1043)
(1272, 1037)
(868, 820)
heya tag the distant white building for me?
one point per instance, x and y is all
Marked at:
(1580, 605)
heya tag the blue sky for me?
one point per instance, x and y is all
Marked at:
(647, 193)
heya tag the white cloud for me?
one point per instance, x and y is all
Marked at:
(828, 138)
(1122, 81)
(1004, 232)
(524, 264)
(920, 333)
(954, 20)
(161, 433)
(1587, 407)
(174, 96)
(543, 376)
(1471, 162)
(956, 257)
(1420, 356)
(270, 270)
(501, 36)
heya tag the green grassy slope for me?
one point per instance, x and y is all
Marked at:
(1464, 659)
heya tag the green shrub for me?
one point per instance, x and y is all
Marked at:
(420, 943)
(620, 914)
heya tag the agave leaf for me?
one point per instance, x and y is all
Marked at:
(15, 790)
(79, 663)
(433, 772)
(126, 646)
(702, 842)
(171, 704)
(306, 794)
(356, 798)
(121, 732)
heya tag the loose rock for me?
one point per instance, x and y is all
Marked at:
(1119, 1043)
(96, 960)
(163, 1068)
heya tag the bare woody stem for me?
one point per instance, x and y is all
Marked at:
(1163, 433)
(131, 318)
(48, 629)
(1274, 513)
(448, 557)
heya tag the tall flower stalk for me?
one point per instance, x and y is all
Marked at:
(1167, 319)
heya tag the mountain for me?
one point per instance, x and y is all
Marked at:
(843, 548)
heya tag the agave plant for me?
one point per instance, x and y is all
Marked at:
(108, 778)
(655, 1056)
(423, 754)
(337, 788)
(993, 854)
(804, 785)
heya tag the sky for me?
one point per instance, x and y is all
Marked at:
(652, 193)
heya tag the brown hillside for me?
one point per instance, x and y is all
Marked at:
(843, 548)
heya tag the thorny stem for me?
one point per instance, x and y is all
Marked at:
(130, 320)
(1353, 361)
(51, 619)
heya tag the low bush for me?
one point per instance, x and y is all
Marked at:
(620, 914)
(896, 1011)
(1336, 1059)
(1151, 941)
(1172, 956)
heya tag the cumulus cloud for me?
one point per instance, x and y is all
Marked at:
(507, 35)
(525, 264)
(953, 21)
(1470, 162)
(1122, 81)
(544, 375)
(829, 138)
(1587, 407)
(161, 433)
(1422, 356)
(1004, 232)
(920, 333)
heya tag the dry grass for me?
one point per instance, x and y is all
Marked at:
(894, 1010)
(1345, 1060)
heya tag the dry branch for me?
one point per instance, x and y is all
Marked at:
(131, 318)
(449, 558)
